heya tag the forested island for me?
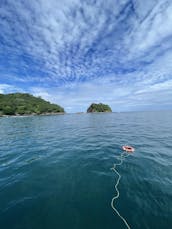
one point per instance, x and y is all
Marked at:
(26, 104)
(100, 107)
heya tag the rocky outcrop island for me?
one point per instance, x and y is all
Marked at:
(26, 104)
(100, 107)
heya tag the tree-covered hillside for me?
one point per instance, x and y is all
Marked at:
(98, 108)
(25, 104)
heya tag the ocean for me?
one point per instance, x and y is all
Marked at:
(55, 171)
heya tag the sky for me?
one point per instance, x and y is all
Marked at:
(76, 52)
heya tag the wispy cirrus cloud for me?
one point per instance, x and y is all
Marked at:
(7, 88)
(77, 52)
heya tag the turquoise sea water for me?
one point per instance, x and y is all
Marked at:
(55, 171)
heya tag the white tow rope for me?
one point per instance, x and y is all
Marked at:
(121, 158)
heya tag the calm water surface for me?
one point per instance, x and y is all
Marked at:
(55, 171)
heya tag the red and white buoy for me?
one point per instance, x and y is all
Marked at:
(128, 149)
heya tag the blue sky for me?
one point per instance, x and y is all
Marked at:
(75, 52)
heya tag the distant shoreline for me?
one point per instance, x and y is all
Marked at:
(30, 115)
(79, 113)
(51, 114)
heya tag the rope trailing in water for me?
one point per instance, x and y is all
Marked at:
(121, 158)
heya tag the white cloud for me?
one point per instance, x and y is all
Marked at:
(120, 96)
(153, 29)
(77, 52)
(7, 88)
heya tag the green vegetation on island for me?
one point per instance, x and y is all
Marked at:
(26, 104)
(98, 108)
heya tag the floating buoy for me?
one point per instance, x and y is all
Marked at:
(128, 149)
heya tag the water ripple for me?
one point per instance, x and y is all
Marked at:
(55, 171)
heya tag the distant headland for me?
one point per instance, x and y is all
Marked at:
(26, 104)
(100, 107)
